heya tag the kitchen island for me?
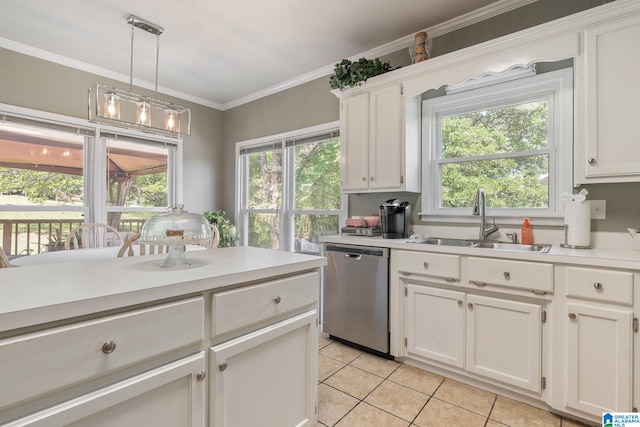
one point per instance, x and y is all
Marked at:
(230, 341)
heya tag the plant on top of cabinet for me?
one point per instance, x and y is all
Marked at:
(352, 74)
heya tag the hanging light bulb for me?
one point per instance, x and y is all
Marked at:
(172, 122)
(143, 115)
(112, 106)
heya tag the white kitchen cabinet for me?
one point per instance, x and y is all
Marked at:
(435, 324)
(168, 396)
(376, 154)
(504, 341)
(599, 359)
(608, 101)
(599, 340)
(267, 377)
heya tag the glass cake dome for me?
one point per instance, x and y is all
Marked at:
(176, 228)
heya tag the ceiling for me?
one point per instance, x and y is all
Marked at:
(217, 53)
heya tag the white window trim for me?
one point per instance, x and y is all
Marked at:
(95, 210)
(285, 223)
(556, 84)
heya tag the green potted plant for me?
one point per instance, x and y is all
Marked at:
(56, 241)
(228, 234)
(352, 74)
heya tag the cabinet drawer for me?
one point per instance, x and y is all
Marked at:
(429, 264)
(242, 307)
(42, 362)
(601, 285)
(514, 274)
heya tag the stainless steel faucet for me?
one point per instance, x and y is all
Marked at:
(480, 208)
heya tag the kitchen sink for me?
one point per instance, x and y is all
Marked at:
(501, 246)
(513, 247)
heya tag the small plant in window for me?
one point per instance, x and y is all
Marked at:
(228, 234)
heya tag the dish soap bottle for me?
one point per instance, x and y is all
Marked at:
(527, 235)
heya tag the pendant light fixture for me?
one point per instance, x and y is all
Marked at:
(122, 108)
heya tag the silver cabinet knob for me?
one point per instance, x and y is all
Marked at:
(222, 366)
(425, 264)
(372, 178)
(200, 376)
(277, 300)
(572, 316)
(598, 286)
(470, 305)
(507, 275)
(459, 302)
(108, 347)
(591, 161)
(364, 179)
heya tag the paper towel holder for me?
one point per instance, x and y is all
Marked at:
(566, 245)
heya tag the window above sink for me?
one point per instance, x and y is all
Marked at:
(513, 139)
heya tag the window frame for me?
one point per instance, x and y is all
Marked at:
(557, 87)
(287, 211)
(95, 203)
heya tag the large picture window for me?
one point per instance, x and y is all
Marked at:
(512, 139)
(289, 189)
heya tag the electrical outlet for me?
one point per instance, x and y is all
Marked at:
(598, 209)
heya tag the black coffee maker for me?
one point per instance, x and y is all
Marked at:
(396, 216)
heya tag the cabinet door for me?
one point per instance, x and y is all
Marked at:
(267, 378)
(608, 124)
(599, 359)
(354, 142)
(434, 324)
(504, 341)
(386, 151)
(168, 396)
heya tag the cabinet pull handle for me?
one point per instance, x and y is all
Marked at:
(200, 376)
(425, 264)
(277, 300)
(449, 279)
(539, 292)
(372, 178)
(598, 286)
(478, 283)
(222, 366)
(459, 302)
(470, 305)
(507, 275)
(591, 161)
(364, 178)
(572, 316)
(108, 347)
(406, 273)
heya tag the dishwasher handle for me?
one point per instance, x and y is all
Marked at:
(355, 257)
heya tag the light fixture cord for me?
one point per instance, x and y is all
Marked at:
(131, 62)
(157, 58)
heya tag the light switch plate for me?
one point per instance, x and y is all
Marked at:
(598, 209)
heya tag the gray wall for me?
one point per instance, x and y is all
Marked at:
(29, 82)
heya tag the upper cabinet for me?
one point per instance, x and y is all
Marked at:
(376, 155)
(608, 102)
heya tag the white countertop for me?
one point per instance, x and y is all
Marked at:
(45, 293)
(628, 259)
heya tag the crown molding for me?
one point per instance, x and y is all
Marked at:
(478, 15)
(489, 11)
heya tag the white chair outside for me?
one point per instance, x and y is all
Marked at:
(93, 235)
(4, 261)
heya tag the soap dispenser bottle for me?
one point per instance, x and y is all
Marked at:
(527, 236)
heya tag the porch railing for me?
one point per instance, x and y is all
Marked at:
(32, 236)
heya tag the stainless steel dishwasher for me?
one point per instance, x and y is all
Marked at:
(356, 296)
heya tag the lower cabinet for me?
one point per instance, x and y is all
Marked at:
(491, 337)
(599, 358)
(168, 396)
(268, 377)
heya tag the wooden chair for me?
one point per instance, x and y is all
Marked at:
(93, 235)
(127, 248)
(4, 261)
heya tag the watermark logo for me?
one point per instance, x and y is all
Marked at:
(620, 419)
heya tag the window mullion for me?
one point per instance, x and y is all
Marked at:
(506, 155)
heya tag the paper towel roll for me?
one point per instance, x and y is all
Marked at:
(577, 217)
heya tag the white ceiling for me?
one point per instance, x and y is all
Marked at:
(217, 53)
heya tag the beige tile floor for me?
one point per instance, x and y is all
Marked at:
(357, 389)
